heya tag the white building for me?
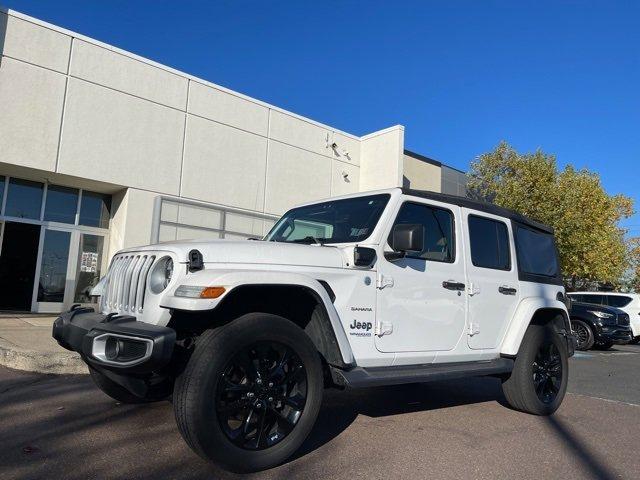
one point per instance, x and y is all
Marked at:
(101, 149)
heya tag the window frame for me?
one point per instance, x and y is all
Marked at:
(435, 207)
(495, 220)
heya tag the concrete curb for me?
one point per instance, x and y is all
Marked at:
(59, 363)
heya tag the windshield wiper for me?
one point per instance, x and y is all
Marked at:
(309, 239)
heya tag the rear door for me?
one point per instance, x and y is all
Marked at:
(493, 278)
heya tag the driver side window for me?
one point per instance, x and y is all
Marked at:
(439, 242)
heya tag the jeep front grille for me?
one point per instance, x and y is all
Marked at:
(126, 283)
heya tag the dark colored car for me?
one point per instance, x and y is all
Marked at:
(599, 326)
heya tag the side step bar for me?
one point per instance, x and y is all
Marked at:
(360, 377)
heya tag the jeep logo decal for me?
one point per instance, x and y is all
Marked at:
(360, 329)
(361, 325)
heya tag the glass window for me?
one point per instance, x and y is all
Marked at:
(489, 243)
(53, 269)
(95, 209)
(536, 252)
(2, 181)
(24, 199)
(617, 301)
(338, 221)
(61, 204)
(438, 230)
(593, 299)
(89, 267)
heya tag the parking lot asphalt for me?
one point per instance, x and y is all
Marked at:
(55, 427)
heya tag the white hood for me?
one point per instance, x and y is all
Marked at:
(252, 252)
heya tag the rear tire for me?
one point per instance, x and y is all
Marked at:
(250, 393)
(538, 381)
(635, 340)
(584, 334)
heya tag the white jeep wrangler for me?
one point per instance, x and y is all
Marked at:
(379, 288)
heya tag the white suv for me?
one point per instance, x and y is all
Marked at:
(380, 288)
(627, 302)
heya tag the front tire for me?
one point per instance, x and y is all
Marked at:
(538, 381)
(250, 393)
(584, 334)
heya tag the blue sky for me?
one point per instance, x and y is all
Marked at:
(459, 75)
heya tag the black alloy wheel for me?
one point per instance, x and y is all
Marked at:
(547, 373)
(584, 335)
(538, 382)
(261, 395)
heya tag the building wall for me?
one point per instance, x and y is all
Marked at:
(81, 109)
(454, 182)
(75, 110)
(420, 174)
(383, 152)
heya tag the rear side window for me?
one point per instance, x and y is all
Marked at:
(438, 231)
(489, 243)
(593, 299)
(617, 301)
(536, 252)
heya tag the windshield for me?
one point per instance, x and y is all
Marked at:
(337, 221)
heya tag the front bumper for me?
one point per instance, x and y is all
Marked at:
(615, 334)
(117, 343)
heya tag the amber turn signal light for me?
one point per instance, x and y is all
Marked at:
(212, 292)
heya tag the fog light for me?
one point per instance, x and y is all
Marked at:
(112, 348)
(122, 350)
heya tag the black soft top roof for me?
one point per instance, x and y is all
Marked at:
(480, 206)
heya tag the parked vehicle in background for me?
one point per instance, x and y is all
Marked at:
(627, 302)
(599, 326)
(382, 288)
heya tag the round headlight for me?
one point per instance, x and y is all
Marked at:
(161, 275)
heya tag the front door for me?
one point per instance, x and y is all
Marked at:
(493, 279)
(18, 257)
(421, 303)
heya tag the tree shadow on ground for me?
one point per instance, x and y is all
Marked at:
(63, 427)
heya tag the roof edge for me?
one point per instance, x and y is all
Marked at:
(480, 206)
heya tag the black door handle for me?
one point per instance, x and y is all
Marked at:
(450, 285)
(507, 290)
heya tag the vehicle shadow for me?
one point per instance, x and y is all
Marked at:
(340, 408)
(64, 427)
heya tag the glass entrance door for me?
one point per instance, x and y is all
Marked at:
(18, 253)
(70, 265)
(54, 279)
(52, 244)
(89, 267)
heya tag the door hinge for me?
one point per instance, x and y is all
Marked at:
(384, 281)
(474, 329)
(473, 289)
(384, 328)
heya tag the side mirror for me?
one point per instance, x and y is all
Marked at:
(406, 238)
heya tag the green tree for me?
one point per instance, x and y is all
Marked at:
(592, 246)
